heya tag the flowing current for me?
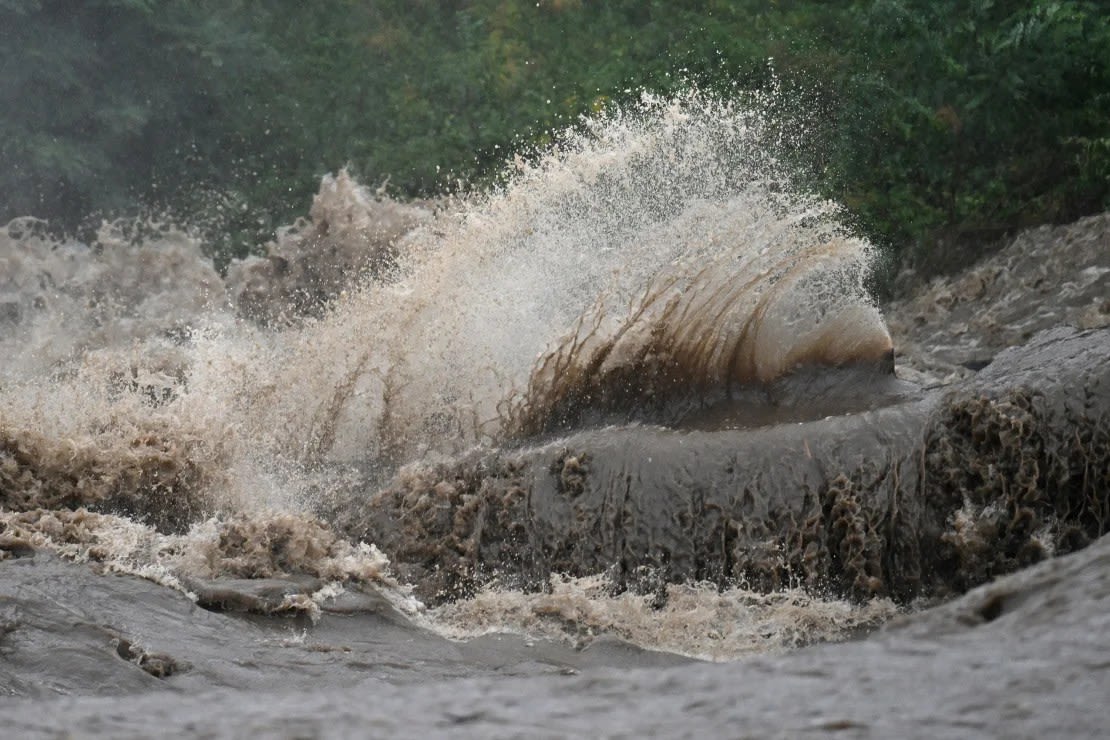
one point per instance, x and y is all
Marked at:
(653, 268)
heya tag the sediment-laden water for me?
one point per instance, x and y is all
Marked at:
(632, 409)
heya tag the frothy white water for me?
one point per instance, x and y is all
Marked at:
(60, 302)
(697, 620)
(658, 250)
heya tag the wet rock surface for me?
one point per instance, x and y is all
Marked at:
(1022, 657)
(1048, 276)
(68, 629)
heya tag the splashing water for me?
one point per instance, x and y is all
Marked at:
(654, 259)
(654, 255)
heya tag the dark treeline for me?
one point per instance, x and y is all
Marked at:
(938, 123)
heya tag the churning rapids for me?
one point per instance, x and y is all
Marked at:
(448, 466)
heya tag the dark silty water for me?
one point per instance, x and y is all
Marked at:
(607, 450)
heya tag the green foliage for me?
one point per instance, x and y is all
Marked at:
(101, 99)
(934, 122)
(982, 117)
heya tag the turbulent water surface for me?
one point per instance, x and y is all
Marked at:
(632, 409)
